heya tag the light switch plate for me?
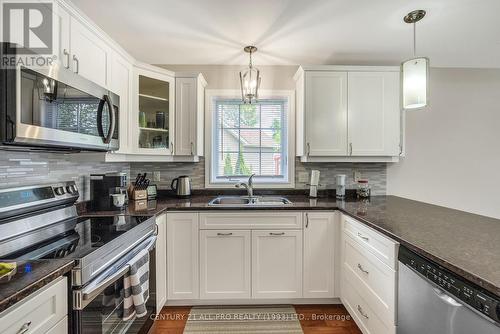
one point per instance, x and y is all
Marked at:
(303, 177)
(156, 176)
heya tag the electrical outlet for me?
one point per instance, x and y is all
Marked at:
(356, 175)
(156, 176)
(303, 177)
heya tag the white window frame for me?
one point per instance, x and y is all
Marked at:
(213, 94)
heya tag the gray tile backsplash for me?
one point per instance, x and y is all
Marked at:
(374, 172)
(25, 168)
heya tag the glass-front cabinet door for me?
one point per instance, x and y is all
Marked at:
(154, 113)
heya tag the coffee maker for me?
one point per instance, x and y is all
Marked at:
(102, 186)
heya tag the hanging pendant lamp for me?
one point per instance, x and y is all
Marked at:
(250, 80)
(415, 71)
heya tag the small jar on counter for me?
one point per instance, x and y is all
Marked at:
(363, 190)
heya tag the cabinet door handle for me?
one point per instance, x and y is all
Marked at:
(307, 220)
(308, 149)
(360, 267)
(276, 234)
(66, 53)
(24, 328)
(192, 148)
(77, 63)
(172, 147)
(360, 310)
(363, 237)
(224, 234)
(350, 148)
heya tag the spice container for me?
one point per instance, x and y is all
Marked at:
(363, 190)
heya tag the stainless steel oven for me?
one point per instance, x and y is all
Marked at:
(52, 107)
(98, 307)
(41, 222)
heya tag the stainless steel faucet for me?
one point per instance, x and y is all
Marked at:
(248, 186)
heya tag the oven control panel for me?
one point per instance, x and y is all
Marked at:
(469, 293)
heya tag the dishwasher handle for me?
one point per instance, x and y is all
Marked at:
(446, 298)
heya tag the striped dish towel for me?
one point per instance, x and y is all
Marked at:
(136, 286)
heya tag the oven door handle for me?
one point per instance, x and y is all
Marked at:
(92, 291)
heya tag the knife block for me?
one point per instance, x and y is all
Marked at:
(137, 194)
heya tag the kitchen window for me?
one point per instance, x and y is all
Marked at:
(250, 139)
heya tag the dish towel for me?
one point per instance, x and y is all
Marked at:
(136, 286)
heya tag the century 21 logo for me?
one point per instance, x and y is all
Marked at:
(29, 25)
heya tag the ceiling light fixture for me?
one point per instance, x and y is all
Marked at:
(250, 79)
(415, 71)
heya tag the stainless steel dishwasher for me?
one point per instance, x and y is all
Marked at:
(432, 300)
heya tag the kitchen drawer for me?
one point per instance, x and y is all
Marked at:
(246, 220)
(374, 280)
(61, 327)
(364, 316)
(38, 312)
(382, 247)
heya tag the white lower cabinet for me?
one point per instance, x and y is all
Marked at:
(277, 264)
(369, 281)
(60, 328)
(41, 312)
(161, 262)
(224, 264)
(182, 256)
(367, 319)
(320, 233)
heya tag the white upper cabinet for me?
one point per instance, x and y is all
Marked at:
(120, 84)
(374, 113)
(348, 113)
(89, 53)
(152, 115)
(62, 20)
(78, 47)
(326, 113)
(189, 114)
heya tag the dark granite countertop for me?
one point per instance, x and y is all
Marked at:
(464, 243)
(29, 277)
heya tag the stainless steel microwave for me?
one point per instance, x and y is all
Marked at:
(54, 108)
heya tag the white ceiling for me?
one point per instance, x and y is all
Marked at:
(455, 33)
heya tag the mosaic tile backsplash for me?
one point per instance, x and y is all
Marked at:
(374, 172)
(23, 168)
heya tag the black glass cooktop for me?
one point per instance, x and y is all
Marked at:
(88, 235)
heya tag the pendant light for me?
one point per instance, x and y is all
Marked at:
(250, 80)
(415, 71)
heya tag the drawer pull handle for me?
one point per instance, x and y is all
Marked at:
(363, 237)
(224, 234)
(360, 310)
(24, 328)
(360, 267)
(282, 233)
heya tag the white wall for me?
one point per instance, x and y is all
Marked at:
(453, 147)
(227, 76)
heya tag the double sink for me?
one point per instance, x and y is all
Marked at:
(246, 201)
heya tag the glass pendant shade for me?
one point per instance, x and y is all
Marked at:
(250, 82)
(415, 83)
